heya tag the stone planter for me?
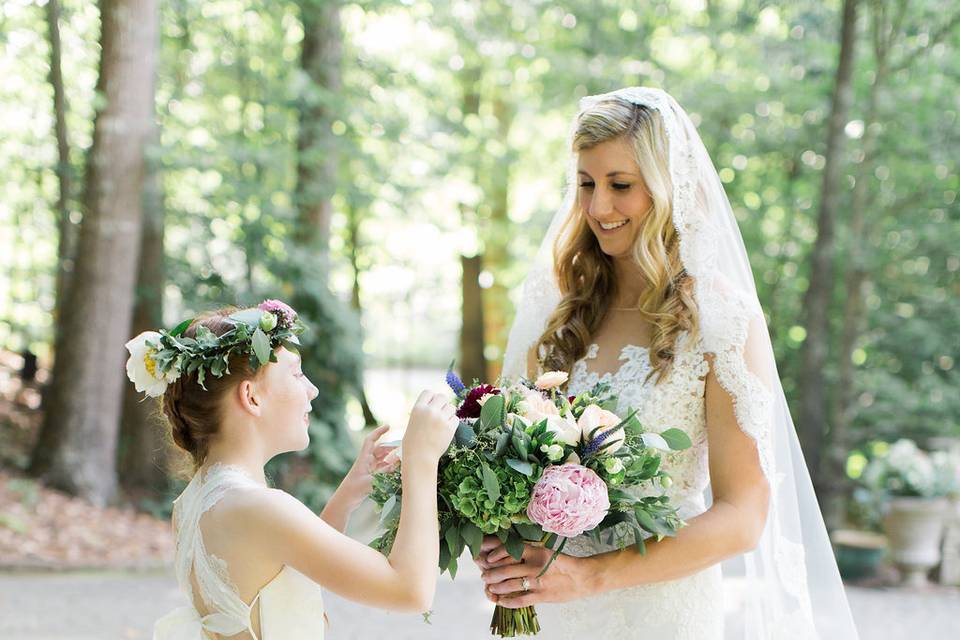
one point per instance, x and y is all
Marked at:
(914, 529)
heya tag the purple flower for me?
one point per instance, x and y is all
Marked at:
(286, 316)
(454, 382)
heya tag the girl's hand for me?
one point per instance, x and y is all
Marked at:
(371, 459)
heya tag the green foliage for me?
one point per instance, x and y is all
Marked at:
(451, 133)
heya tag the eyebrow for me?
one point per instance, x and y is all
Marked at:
(609, 175)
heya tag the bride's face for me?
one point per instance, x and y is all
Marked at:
(287, 397)
(612, 195)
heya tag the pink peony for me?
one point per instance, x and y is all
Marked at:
(568, 500)
(286, 316)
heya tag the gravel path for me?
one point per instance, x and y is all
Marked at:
(111, 606)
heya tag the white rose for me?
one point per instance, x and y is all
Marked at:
(535, 407)
(564, 430)
(554, 451)
(573, 458)
(141, 368)
(551, 380)
(593, 416)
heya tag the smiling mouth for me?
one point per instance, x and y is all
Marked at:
(610, 226)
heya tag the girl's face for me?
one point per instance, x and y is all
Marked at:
(286, 402)
(612, 195)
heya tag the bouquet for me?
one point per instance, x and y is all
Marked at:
(532, 465)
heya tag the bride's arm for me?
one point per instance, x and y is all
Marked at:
(731, 526)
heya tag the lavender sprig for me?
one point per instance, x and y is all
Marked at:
(454, 382)
(596, 443)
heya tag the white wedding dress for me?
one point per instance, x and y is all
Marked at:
(690, 608)
(290, 605)
(787, 587)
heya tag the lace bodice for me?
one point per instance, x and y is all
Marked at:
(688, 608)
(290, 605)
(677, 402)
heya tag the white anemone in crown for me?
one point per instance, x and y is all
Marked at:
(142, 368)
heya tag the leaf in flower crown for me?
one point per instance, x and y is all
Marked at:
(261, 346)
(180, 328)
(249, 317)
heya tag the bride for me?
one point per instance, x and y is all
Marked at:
(252, 559)
(648, 288)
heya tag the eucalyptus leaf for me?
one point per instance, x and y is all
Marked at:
(677, 439)
(514, 545)
(261, 346)
(490, 482)
(473, 536)
(491, 414)
(519, 465)
(249, 317)
(387, 513)
(465, 435)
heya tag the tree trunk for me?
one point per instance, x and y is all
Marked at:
(812, 425)
(76, 450)
(316, 145)
(473, 362)
(353, 240)
(66, 230)
(496, 240)
(143, 449)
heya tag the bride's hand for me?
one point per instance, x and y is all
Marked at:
(566, 579)
(373, 458)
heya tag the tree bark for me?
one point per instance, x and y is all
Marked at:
(66, 230)
(316, 145)
(353, 241)
(143, 447)
(812, 425)
(76, 450)
(473, 363)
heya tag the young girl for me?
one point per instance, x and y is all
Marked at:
(252, 559)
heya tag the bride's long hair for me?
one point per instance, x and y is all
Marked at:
(585, 274)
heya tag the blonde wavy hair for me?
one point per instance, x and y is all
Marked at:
(586, 275)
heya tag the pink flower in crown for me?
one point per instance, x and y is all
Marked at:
(568, 500)
(286, 316)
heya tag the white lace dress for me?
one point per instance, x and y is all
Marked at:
(690, 608)
(290, 605)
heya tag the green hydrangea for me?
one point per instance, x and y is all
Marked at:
(462, 484)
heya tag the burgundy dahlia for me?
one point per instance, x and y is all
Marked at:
(471, 406)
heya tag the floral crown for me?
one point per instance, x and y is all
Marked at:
(157, 359)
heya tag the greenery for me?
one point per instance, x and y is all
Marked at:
(448, 127)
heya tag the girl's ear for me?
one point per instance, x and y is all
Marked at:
(249, 398)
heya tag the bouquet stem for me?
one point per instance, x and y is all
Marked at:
(509, 623)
